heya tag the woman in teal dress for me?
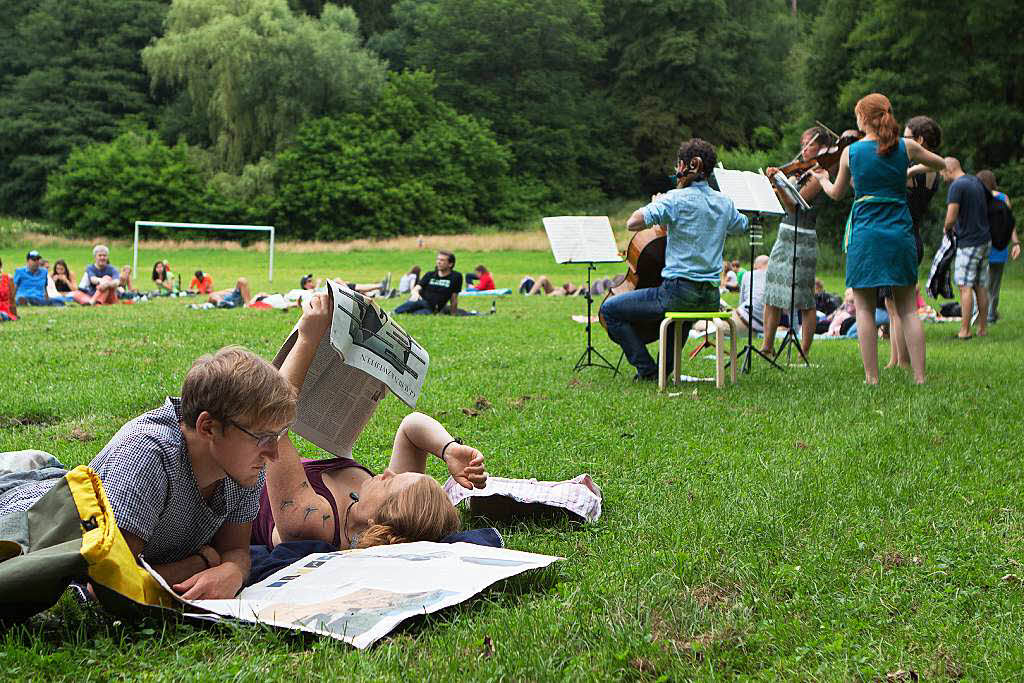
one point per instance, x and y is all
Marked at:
(879, 238)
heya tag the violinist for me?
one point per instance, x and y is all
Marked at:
(779, 278)
(696, 219)
(879, 236)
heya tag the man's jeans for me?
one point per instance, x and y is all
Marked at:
(38, 301)
(651, 304)
(420, 306)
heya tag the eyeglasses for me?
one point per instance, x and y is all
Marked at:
(263, 440)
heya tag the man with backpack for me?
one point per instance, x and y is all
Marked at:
(1004, 239)
(967, 216)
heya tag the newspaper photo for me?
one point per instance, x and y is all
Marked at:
(363, 355)
(359, 596)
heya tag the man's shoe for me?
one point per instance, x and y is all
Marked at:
(653, 377)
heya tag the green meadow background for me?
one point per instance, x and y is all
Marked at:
(799, 525)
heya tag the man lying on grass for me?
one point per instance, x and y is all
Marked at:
(184, 480)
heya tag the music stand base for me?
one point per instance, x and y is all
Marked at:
(586, 359)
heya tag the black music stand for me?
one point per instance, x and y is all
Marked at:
(747, 354)
(586, 358)
(790, 339)
(752, 194)
(584, 240)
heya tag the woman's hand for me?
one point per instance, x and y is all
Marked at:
(466, 465)
(771, 171)
(316, 317)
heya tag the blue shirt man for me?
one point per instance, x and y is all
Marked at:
(696, 220)
(31, 283)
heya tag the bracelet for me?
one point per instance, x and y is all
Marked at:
(455, 440)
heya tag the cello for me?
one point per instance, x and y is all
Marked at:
(645, 259)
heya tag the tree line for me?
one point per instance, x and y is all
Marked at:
(336, 119)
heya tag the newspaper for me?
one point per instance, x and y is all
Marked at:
(363, 355)
(580, 495)
(359, 596)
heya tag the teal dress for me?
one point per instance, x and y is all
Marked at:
(880, 248)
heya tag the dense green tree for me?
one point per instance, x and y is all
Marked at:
(710, 68)
(960, 63)
(69, 71)
(533, 69)
(103, 187)
(412, 164)
(253, 70)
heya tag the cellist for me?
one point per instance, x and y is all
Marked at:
(696, 219)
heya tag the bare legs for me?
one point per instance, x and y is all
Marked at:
(864, 301)
(967, 295)
(772, 314)
(905, 303)
(898, 353)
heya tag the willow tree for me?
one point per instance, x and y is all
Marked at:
(254, 70)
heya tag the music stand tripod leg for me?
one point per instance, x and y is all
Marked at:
(790, 339)
(748, 351)
(586, 358)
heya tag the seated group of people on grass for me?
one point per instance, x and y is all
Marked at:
(194, 482)
(35, 285)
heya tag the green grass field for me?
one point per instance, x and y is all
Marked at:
(799, 525)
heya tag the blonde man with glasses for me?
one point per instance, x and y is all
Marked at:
(184, 480)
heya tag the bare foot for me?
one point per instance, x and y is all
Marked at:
(982, 332)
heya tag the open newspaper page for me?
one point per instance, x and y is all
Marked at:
(364, 354)
(359, 596)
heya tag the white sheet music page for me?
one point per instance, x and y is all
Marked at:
(581, 239)
(749, 191)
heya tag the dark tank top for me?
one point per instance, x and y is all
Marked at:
(263, 525)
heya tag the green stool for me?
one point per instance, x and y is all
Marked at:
(677, 318)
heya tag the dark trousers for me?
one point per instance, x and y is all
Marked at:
(420, 307)
(651, 304)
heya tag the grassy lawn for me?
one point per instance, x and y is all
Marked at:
(799, 525)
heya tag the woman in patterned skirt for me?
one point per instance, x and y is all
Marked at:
(798, 225)
(879, 239)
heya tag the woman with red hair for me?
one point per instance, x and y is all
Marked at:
(879, 239)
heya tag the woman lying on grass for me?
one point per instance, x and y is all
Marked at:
(341, 502)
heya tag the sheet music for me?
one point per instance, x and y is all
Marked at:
(749, 191)
(581, 239)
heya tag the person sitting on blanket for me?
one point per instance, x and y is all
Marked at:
(480, 279)
(184, 480)
(341, 502)
(201, 283)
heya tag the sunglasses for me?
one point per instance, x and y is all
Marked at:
(263, 440)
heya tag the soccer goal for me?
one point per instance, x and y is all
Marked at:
(202, 226)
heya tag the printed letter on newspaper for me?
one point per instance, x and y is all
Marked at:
(364, 353)
(359, 596)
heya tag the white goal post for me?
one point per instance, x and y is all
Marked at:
(201, 226)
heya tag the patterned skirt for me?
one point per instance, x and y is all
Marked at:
(779, 275)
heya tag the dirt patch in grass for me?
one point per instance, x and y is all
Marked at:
(30, 420)
(714, 596)
(891, 559)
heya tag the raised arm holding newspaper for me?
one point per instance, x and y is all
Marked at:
(338, 500)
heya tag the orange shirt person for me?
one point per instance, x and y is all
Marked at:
(201, 283)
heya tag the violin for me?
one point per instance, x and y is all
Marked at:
(645, 258)
(826, 158)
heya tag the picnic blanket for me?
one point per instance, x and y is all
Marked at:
(486, 292)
